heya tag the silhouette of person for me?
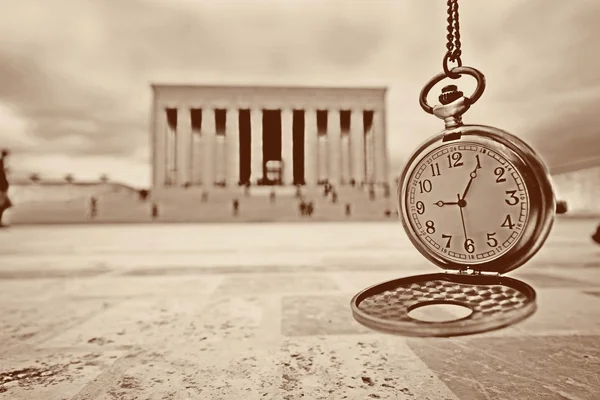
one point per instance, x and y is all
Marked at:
(236, 207)
(93, 207)
(5, 202)
(371, 192)
(596, 236)
(386, 190)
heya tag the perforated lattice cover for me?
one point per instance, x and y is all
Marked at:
(484, 300)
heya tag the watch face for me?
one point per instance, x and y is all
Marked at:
(467, 203)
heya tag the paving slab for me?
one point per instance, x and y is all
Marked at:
(54, 375)
(549, 367)
(264, 314)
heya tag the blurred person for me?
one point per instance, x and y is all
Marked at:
(596, 236)
(93, 207)
(236, 207)
(302, 206)
(5, 202)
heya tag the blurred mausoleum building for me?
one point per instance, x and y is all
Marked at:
(231, 136)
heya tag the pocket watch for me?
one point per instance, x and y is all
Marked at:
(477, 202)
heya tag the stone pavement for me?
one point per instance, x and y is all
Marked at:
(262, 312)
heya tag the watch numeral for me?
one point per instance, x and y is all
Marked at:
(456, 157)
(435, 169)
(430, 227)
(469, 246)
(420, 208)
(499, 172)
(478, 161)
(507, 223)
(425, 186)
(514, 200)
(491, 240)
(449, 237)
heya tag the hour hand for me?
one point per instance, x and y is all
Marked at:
(472, 176)
(444, 203)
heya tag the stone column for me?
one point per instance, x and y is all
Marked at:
(171, 147)
(256, 145)
(357, 146)
(221, 158)
(345, 154)
(184, 143)
(160, 147)
(323, 164)
(379, 147)
(334, 146)
(369, 156)
(209, 133)
(197, 157)
(310, 147)
(287, 147)
(232, 142)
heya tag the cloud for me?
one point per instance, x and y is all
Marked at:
(14, 128)
(557, 68)
(76, 74)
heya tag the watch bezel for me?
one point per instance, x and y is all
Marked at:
(536, 178)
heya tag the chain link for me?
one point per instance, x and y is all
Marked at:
(453, 46)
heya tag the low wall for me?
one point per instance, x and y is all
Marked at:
(581, 190)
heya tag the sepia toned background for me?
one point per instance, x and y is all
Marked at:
(106, 307)
(74, 76)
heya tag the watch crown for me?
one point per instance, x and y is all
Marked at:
(449, 94)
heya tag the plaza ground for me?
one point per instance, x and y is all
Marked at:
(261, 311)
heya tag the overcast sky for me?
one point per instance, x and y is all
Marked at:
(75, 75)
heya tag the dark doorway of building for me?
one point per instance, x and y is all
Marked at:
(245, 133)
(368, 147)
(220, 121)
(271, 122)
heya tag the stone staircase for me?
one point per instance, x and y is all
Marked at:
(188, 205)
